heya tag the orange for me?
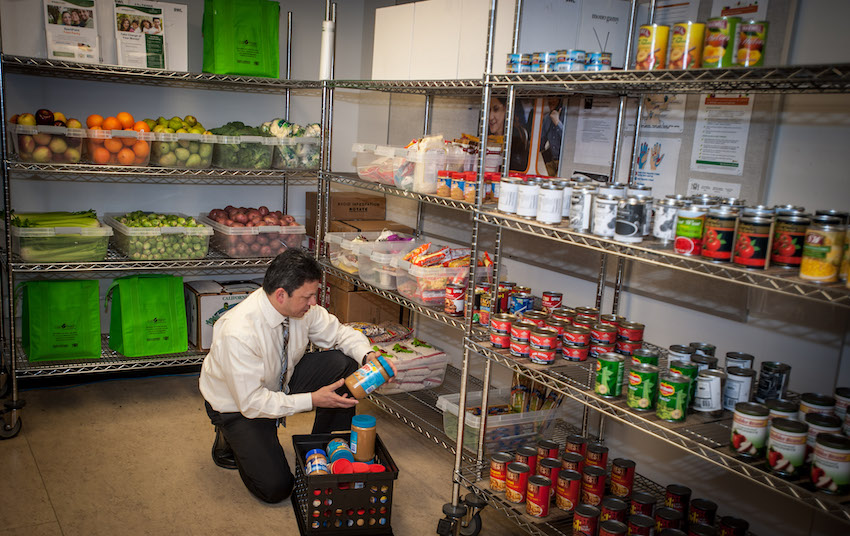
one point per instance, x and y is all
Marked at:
(141, 149)
(128, 142)
(126, 120)
(110, 123)
(113, 145)
(141, 126)
(100, 155)
(140, 160)
(126, 157)
(94, 120)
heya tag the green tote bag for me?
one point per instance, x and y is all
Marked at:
(60, 320)
(147, 316)
(242, 37)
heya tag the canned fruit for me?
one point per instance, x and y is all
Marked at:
(749, 429)
(786, 446)
(686, 43)
(752, 38)
(652, 47)
(831, 464)
(720, 42)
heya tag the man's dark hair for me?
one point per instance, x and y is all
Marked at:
(290, 270)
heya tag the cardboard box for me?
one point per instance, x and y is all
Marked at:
(346, 206)
(363, 306)
(206, 301)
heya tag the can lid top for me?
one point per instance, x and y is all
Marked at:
(646, 352)
(789, 425)
(825, 421)
(678, 489)
(704, 504)
(575, 438)
(612, 526)
(526, 450)
(819, 399)
(666, 512)
(614, 503)
(623, 462)
(597, 447)
(593, 470)
(547, 444)
(740, 355)
(835, 441)
(675, 377)
(640, 520)
(572, 456)
(550, 462)
(826, 220)
(587, 510)
(611, 356)
(781, 404)
(682, 349)
(644, 367)
(519, 467)
(752, 408)
(539, 480)
(642, 497)
(501, 457)
(740, 371)
(843, 392)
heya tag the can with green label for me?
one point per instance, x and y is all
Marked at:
(610, 368)
(720, 40)
(673, 389)
(689, 370)
(643, 387)
(647, 356)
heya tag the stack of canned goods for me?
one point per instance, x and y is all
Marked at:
(561, 61)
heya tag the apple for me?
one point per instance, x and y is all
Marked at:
(42, 154)
(73, 123)
(13, 119)
(26, 119)
(44, 117)
(26, 144)
(42, 139)
(72, 155)
(59, 116)
(58, 145)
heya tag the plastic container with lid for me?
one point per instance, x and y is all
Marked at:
(363, 436)
(244, 152)
(369, 377)
(425, 167)
(192, 151)
(60, 244)
(118, 147)
(160, 243)
(341, 248)
(382, 269)
(366, 267)
(47, 143)
(296, 153)
(317, 462)
(263, 241)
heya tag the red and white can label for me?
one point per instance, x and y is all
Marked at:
(500, 340)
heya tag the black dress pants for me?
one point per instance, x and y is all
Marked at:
(259, 455)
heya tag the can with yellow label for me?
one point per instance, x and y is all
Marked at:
(720, 40)
(652, 47)
(823, 249)
(686, 42)
(752, 40)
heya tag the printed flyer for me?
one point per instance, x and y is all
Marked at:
(71, 30)
(140, 34)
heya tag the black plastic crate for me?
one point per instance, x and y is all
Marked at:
(358, 503)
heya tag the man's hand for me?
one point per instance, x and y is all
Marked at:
(373, 357)
(326, 397)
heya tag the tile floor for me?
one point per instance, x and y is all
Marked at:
(132, 456)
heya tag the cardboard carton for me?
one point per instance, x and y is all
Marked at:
(206, 301)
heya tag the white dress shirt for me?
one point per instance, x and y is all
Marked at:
(241, 373)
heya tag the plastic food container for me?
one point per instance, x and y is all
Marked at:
(386, 269)
(341, 249)
(385, 251)
(425, 368)
(47, 144)
(160, 243)
(425, 167)
(296, 153)
(61, 244)
(504, 432)
(194, 151)
(427, 285)
(265, 241)
(119, 147)
(244, 152)
(384, 164)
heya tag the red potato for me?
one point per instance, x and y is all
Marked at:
(264, 210)
(241, 218)
(271, 220)
(253, 213)
(238, 224)
(248, 239)
(242, 250)
(288, 219)
(228, 222)
(255, 247)
(265, 251)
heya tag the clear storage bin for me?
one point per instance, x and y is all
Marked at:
(296, 153)
(341, 249)
(367, 268)
(47, 144)
(160, 243)
(425, 167)
(194, 151)
(264, 241)
(244, 152)
(425, 370)
(427, 285)
(384, 164)
(61, 244)
(503, 432)
(118, 147)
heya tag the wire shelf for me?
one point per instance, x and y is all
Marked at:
(459, 87)
(351, 179)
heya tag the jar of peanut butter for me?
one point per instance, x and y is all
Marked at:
(363, 436)
(369, 377)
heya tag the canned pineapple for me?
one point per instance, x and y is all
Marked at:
(652, 47)
(686, 42)
(752, 38)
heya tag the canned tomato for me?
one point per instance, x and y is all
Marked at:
(786, 446)
(576, 443)
(538, 498)
(708, 398)
(575, 352)
(641, 525)
(689, 370)
(572, 461)
(686, 40)
(831, 464)
(500, 340)
(785, 409)
(842, 400)
(690, 222)
(455, 299)
(647, 356)
(815, 403)
(702, 512)
(739, 359)
(612, 527)
(603, 333)
(749, 429)
(610, 370)
(677, 497)
(567, 489)
(596, 455)
(498, 470)
(585, 519)
(519, 348)
(819, 424)
(773, 380)
(752, 39)
(630, 331)
(576, 335)
(614, 508)
(719, 235)
(527, 454)
(600, 348)
(541, 356)
(544, 338)
(643, 387)
(552, 300)
(564, 314)
(538, 318)
(739, 386)
(822, 250)
(611, 320)
(752, 242)
(501, 323)
(622, 477)
(642, 503)
(521, 331)
(667, 518)
(672, 404)
(733, 526)
(516, 482)
(720, 42)
(520, 302)
(652, 47)
(789, 235)
(592, 484)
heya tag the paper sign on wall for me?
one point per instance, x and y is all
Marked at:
(715, 188)
(140, 34)
(663, 113)
(657, 162)
(605, 27)
(597, 122)
(71, 30)
(746, 9)
(720, 138)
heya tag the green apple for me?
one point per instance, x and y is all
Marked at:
(182, 154)
(42, 154)
(175, 124)
(193, 161)
(72, 155)
(58, 145)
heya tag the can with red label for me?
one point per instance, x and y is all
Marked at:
(592, 312)
(527, 454)
(667, 518)
(521, 331)
(519, 348)
(599, 348)
(583, 321)
(566, 314)
(455, 299)
(572, 461)
(552, 300)
(719, 234)
(480, 302)
(500, 340)
(585, 519)
(642, 503)
(501, 323)
(544, 338)
(576, 335)
(702, 512)
(641, 525)
(678, 497)
(505, 289)
(498, 470)
(597, 454)
(631, 331)
(612, 527)
(622, 477)
(559, 326)
(733, 526)
(575, 352)
(538, 497)
(627, 347)
(752, 242)
(576, 443)
(542, 356)
(550, 468)
(611, 320)
(516, 482)
(603, 333)
(614, 508)
(789, 237)
(546, 448)
(592, 484)
(538, 318)
(567, 489)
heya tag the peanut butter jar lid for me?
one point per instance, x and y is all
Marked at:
(386, 364)
(363, 421)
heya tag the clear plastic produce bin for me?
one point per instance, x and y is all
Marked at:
(160, 243)
(193, 151)
(427, 285)
(119, 147)
(503, 432)
(243, 242)
(47, 144)
(367, 268)
(61, 244)
(296, 153)
(341, 249)
(384, 164)
(244, 152)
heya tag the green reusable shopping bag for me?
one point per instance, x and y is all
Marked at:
(241, 37)
(147, 316)
(60, 320)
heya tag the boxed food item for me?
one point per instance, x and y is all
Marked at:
(505, 431)
(206, 301)
(244, 152)
(119, 147)
(346, 206)
(419, 365)
(61, 244)
(363, 306)
(47, 144)
(174, 239)
(194, 151)
(296, 153)
(263, 241)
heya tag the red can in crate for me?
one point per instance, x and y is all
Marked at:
(516, 482)
(611, 320)
(519, 348)
(552, 300)
(501, 323)
(614, 508)
(630, 331)
(604, 333)
(576, 335)
(572, 461)
(538, 318)
(599, 348)
(582, 321)
(546, 448)
(544, 338)
(558, 325)
(585, 519)
(527, 454)
(596, 454)
(622, 477)
(500, 340)
(575, 352)
(567, 490)
(549, 467)
(592, 484)
(538, 497)
(499, 470)
(521, 331)
(541, 356)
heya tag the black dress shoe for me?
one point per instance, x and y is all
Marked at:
(222, 454)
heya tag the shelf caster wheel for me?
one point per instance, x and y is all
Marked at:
(471, 523)
(473, 528)
(8, 432)
(449, 525)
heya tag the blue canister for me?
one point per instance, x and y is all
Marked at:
(578, 56)
(338, 449)
(520, 302)
(513, 62)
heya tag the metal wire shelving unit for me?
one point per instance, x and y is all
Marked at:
(351, 179)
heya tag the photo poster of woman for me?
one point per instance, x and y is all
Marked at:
(537, 135)
(71, 30)
(140, 34)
